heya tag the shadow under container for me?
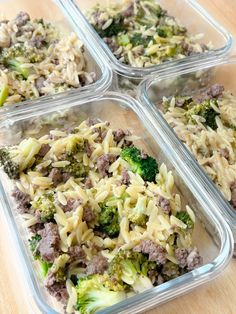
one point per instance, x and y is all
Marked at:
(212, 235)
(188, 12)
(190, 82)
(51, 12)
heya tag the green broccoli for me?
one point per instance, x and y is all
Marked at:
(33, 244)
(29, 54)
(109, 221)
(185, 218)
(206, 111)
(131, 268)
(170, 271)
(14, 159)
(11, 167)
(18, 66)
(45, 207)
(138, 39)
(116, 27)
(96, 292)
(147, 167)
(4, 91)
(76, 168)
(137, 214)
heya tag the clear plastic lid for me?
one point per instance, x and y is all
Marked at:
(51, 12)
(188, 12)
(212, 235)
(192, 81)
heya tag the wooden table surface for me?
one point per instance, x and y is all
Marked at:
(216, 297)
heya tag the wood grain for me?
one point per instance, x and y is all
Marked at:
(216, 297)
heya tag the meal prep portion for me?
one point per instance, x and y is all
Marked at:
(206, 124)
(36, 59)
(105, 221)
(140, 33)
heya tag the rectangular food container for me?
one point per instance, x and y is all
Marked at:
(211, 235)
(188, 12)
(51, 12)
(189, 82)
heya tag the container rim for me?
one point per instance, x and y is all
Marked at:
(100, 85)
(222, 204)
(136, 72)
(166, 291)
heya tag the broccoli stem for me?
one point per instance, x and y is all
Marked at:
(3, 94)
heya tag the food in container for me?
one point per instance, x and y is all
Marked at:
(104, 217)
(206, 125)
(24, 133)
(143, 34)
(37, 59)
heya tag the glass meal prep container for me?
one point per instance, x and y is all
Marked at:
(212, 235)
(50, 12)
(189, 13)
(190, 82)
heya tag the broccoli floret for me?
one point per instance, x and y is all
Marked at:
(45, 207)
(137, 214)
(116, 27)
(109, 221)
(18, 66)
(206, 111)
(185, 218)
(131, 268)
(33, 244)
(76, 168)
(16, 159)
(96, 292)
(138, 39)
(147, 167)
(11, 168)
(4, 91)
(29, 54)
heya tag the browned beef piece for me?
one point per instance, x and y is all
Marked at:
(88, 183)
(77, 253)
(233, 194)
(118, 135)
(38, 41)
(50, 242)
(66, 176)
(153, 276)
(164, 204)
(88, 214)
(55, 288)
(125, 177)
(194, 259)
(91, 122)
(39, 83)
(103, 163)
(97, 265)
(37, 227)
(56, 176)
(72, 204)
(154, 251)
(22, 18)
(23, 201)
(181, 255)
(224, 152)
(45, 148)
(88, 149)
(188, 258)
(216, 90)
